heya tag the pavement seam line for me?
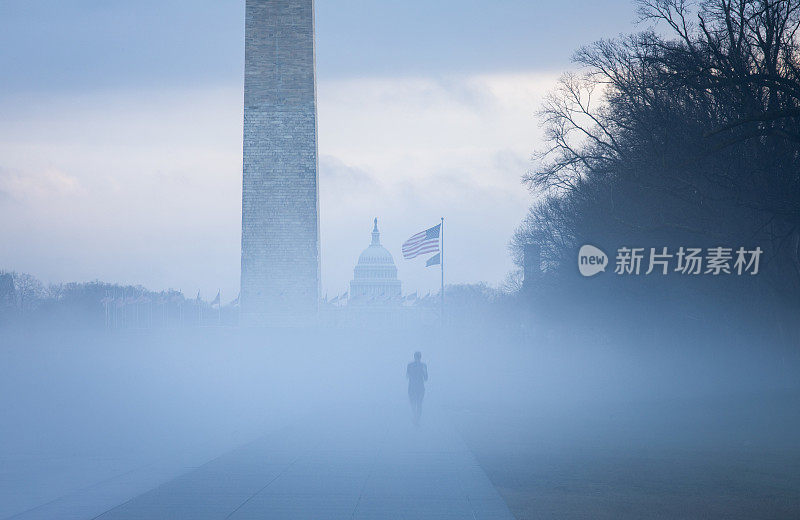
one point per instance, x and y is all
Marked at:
(251, 497)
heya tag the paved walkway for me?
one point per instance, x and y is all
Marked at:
(367, 464)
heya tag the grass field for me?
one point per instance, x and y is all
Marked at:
(728, 458)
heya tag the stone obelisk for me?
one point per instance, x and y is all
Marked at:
(280, 202)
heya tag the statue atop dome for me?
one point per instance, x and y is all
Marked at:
(376, 235)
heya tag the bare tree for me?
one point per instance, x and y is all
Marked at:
(693, 136)
(29, 291)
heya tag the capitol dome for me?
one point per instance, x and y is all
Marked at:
(375, 276)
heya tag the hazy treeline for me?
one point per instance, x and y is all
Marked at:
(686, 134)
(25, 301)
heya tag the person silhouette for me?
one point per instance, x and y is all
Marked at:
(417, 374)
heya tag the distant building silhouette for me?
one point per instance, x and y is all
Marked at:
(532, 265)
(375, 280)
(374, 298)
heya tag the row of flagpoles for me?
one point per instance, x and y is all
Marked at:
(345, 297)
(427, 242)
(161, 299)
(143, 310)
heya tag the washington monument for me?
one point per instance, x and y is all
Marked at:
(280, 200)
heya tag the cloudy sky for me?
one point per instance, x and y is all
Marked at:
(120, 132)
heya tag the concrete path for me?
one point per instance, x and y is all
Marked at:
(366, 464)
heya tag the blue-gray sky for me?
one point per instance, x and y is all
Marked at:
(57, 45)
(120, 131)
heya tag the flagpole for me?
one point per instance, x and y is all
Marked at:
(219, 308)
(441, 266)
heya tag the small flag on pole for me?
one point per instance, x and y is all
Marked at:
(434, 260)
(423, 242)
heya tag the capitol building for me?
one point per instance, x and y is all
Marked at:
(375, 280)
(374, 298)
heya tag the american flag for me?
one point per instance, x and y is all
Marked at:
(423, 242)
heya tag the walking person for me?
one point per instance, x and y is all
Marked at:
(417, 374)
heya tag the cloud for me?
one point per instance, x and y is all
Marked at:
(342, 180)
(52, 45)
(430, 147)
(37, 186)
(144, 186)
